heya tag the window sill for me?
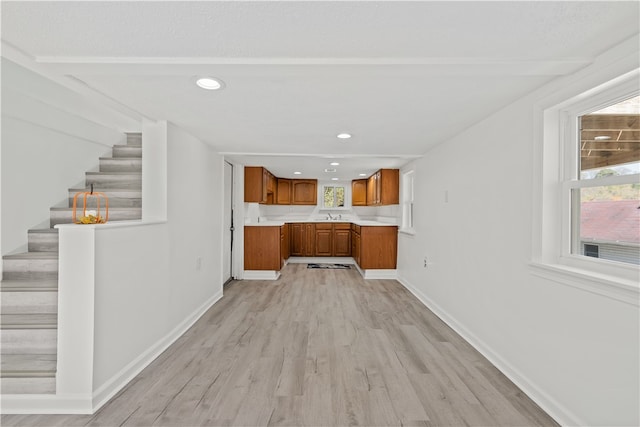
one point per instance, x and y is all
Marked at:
(619, 289)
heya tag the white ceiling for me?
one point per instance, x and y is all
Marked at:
(400, 76)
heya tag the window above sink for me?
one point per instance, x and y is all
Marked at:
(334, 197)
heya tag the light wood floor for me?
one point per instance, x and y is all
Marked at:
(315, 348)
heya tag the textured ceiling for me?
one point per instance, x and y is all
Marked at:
(400, 76)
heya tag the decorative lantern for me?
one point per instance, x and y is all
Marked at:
(91, 215)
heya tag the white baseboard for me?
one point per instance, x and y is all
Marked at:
(45, 404)
(83, 404)
(321, 260)
(260, 275)
(552, 407)
(379, 274)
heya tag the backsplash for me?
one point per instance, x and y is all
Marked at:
(255, 212)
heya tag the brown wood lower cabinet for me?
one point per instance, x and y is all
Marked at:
(320, 239)
(262, 248)
(378, 247)
(302, 240)
(342, 239)
(268, 247)
(285, 243)
(324, 240)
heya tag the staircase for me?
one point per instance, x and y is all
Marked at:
(29, 289)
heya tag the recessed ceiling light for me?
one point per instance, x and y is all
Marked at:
(297, 173)
(363, 174)
(334, 179)
(602, 137)
(344, 135)
(330, 170)
(209, 83)
(334, 164)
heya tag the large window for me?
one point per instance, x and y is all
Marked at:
(602, 182)
(585, 223)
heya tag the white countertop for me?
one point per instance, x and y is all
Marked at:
(364, 223)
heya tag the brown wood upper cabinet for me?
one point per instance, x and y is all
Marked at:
(255, 184)
(283, 192)
(304, 191)
(383, 188)
(359, 192)
(261, 186)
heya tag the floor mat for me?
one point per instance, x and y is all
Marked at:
(329, 266)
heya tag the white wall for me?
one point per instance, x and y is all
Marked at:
(574, 352)
(148, 285)
(50, 137)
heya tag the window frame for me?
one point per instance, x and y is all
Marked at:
(345, 206)
(554, 152)
(570, 181)
(408, 202)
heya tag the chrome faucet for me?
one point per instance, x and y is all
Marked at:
(329, 217)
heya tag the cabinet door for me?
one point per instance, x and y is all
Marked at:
(304, 192)
(297, 247)
(342, 243)
(265, 183)
(255, 190)
(358, 249)
(284, 243)
(371, 190)
(359, 192)
(324, 242)
(353, 244)
(378, 247)
(378, 175)
(283, 192)
(262, 248)
(309, 239)
(389, 186)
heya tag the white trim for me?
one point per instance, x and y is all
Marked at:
(441, 65)
(602, 182)
(614, 75)
(612, 287)
(407, 231)
(46, 404)
(128, 115)
(379, 273)
(550, 405)
(260, 275)
(320, 260)
(84, 404)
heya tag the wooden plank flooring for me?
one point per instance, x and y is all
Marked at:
(315, 348)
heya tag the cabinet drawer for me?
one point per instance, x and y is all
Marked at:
(341, 226)
(323, 226)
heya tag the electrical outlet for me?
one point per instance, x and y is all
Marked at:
(425, 262)
(198, 263)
